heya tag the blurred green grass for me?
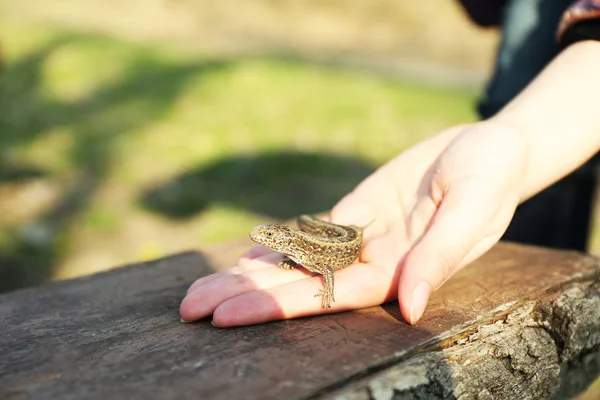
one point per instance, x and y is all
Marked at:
(113, 151)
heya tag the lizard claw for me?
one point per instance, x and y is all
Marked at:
(287, 264)
(326, 298)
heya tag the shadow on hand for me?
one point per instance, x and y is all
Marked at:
(278, 184)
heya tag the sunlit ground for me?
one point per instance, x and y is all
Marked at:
(114, 152)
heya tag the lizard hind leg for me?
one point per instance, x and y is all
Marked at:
(327, 294)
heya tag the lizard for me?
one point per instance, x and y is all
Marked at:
(317, 245)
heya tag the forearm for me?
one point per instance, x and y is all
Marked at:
(559, 114)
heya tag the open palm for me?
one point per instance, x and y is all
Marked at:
(435, 208)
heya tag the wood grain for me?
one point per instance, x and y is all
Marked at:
(118, 335)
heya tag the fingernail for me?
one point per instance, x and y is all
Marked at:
(418, 301)
(215, 325)
(184, 321)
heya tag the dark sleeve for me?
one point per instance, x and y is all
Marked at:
(581, 21)
(484, 13)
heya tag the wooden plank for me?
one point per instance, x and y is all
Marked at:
(118, 335)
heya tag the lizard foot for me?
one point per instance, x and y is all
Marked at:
(326, 298)
(287, 264)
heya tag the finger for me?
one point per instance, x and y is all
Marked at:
(244, 265)
(202, 301)
(268, 258)
(351, 210)
(386, 249)
(386, 193)
(255, 252)
(358, 286)
(459, 232)
(369, 206)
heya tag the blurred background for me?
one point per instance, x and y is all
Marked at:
(130, 130)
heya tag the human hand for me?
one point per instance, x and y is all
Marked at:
(436, 207)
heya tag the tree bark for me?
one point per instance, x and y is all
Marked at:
(543, 348)
(522, 322)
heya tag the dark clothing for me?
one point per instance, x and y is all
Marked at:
(532, 34)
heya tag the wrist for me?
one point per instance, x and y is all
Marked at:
(558, 115)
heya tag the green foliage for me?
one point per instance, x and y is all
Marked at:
(132, 141)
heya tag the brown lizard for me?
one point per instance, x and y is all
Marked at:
(318, 246)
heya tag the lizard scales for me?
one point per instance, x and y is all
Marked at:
(317, 245)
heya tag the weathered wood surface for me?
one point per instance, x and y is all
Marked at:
(515, 324)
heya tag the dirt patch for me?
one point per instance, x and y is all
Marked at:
(401, 35)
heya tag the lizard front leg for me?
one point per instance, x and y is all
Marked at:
(287, 263)
(327, 294)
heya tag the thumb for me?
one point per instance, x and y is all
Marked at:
(470, 219)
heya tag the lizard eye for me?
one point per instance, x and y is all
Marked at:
(269, 234)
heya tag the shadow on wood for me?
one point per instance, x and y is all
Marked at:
(516, 323)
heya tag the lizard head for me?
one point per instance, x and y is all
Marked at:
(275, 237)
